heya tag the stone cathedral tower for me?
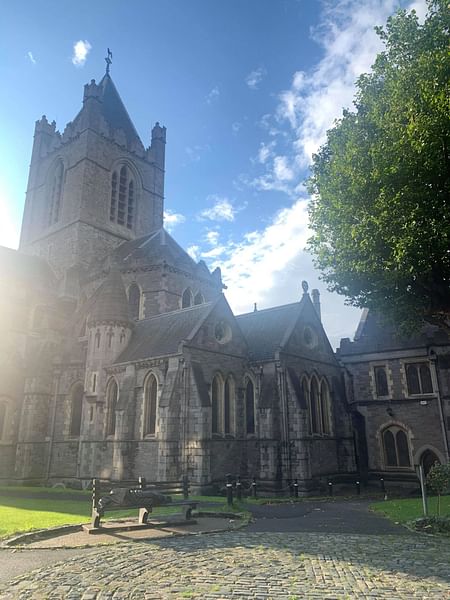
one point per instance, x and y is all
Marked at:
(123, 183)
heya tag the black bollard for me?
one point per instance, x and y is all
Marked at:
(358, 488)
(383, 486)
(229, 490)
(295, 488)
(238, 488)
(254, 487)
(330, 488)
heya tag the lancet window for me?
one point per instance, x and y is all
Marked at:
(123, 197)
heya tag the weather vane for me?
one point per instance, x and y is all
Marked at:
(108, 60)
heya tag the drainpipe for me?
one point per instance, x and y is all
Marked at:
(432, 356)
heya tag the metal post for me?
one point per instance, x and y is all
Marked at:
(94, 493)
(419, 470)
(330, 488)
(254, 487)
(229, 487)
(383, 486)
(358, 488)
(238, 488)
(295, 488)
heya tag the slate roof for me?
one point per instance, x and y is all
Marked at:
(114, 111)
(264, 330)
(111, 302)
(161, 335)
(374, 335)
(24, 266)
(155, 248)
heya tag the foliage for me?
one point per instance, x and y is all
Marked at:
(408, 509)
(380, 208)
(432, 525)
(438, 480)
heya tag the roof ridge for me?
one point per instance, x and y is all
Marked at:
(273, 308)
(178, 310)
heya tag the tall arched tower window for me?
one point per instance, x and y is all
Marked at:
(76, 407)
(134, 301)
(325, 409)
(112, 394)
(123, 197)
(56, 186)
(315, 406)
(150, 405)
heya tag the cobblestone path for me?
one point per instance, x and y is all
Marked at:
(249, 565)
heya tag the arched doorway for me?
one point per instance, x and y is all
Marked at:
(427, 460)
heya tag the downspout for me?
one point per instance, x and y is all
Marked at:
(433, 358)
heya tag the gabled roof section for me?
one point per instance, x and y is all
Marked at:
(375, 335)
(111, 302)
(265, 330)
(155, 248)
(161, 335)
(114, 111)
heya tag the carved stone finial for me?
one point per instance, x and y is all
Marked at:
(255, 308)
(305, 287)
(108, 61)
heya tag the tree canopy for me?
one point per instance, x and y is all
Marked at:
(380, 207)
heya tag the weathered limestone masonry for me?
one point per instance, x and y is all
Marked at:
(121, 357)
(399, 394)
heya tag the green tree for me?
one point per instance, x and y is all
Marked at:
(380, 208)
(438, 479)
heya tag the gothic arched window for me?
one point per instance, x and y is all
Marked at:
(250, 406)
(314, 406)
(186, 298)
(228, 406)
(198, 299)
(305, 392)
(112, 394)
(134, 301)
(216, 404)
(150, 405)
(325, 408)
(396, 447)
(76, 408)
(56, 186)
(123, 197)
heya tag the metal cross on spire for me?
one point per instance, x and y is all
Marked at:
(108, 60)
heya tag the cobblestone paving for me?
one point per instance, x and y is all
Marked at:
(249, 565)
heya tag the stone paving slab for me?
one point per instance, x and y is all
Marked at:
(241, 564)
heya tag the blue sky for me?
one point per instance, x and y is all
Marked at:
(246, 89)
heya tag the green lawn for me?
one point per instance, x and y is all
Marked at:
(48, 508)
(411, 508)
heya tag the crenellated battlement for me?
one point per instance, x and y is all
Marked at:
(92, 90)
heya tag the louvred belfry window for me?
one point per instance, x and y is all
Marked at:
(123, 197)
(56, 193)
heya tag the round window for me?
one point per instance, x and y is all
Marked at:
(222, 332)
(309, 337)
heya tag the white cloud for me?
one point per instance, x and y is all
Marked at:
(212, 237)
(281, 169)
(80, 51)
(265, 152)
(235, 127)
(212, 94)
(194, 252)
(222, 209)
(350, 45)
(172, 219)
(255, 77)
(31, 57)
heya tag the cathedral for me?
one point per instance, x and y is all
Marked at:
(120, 356)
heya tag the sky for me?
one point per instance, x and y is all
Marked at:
(247, 90)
